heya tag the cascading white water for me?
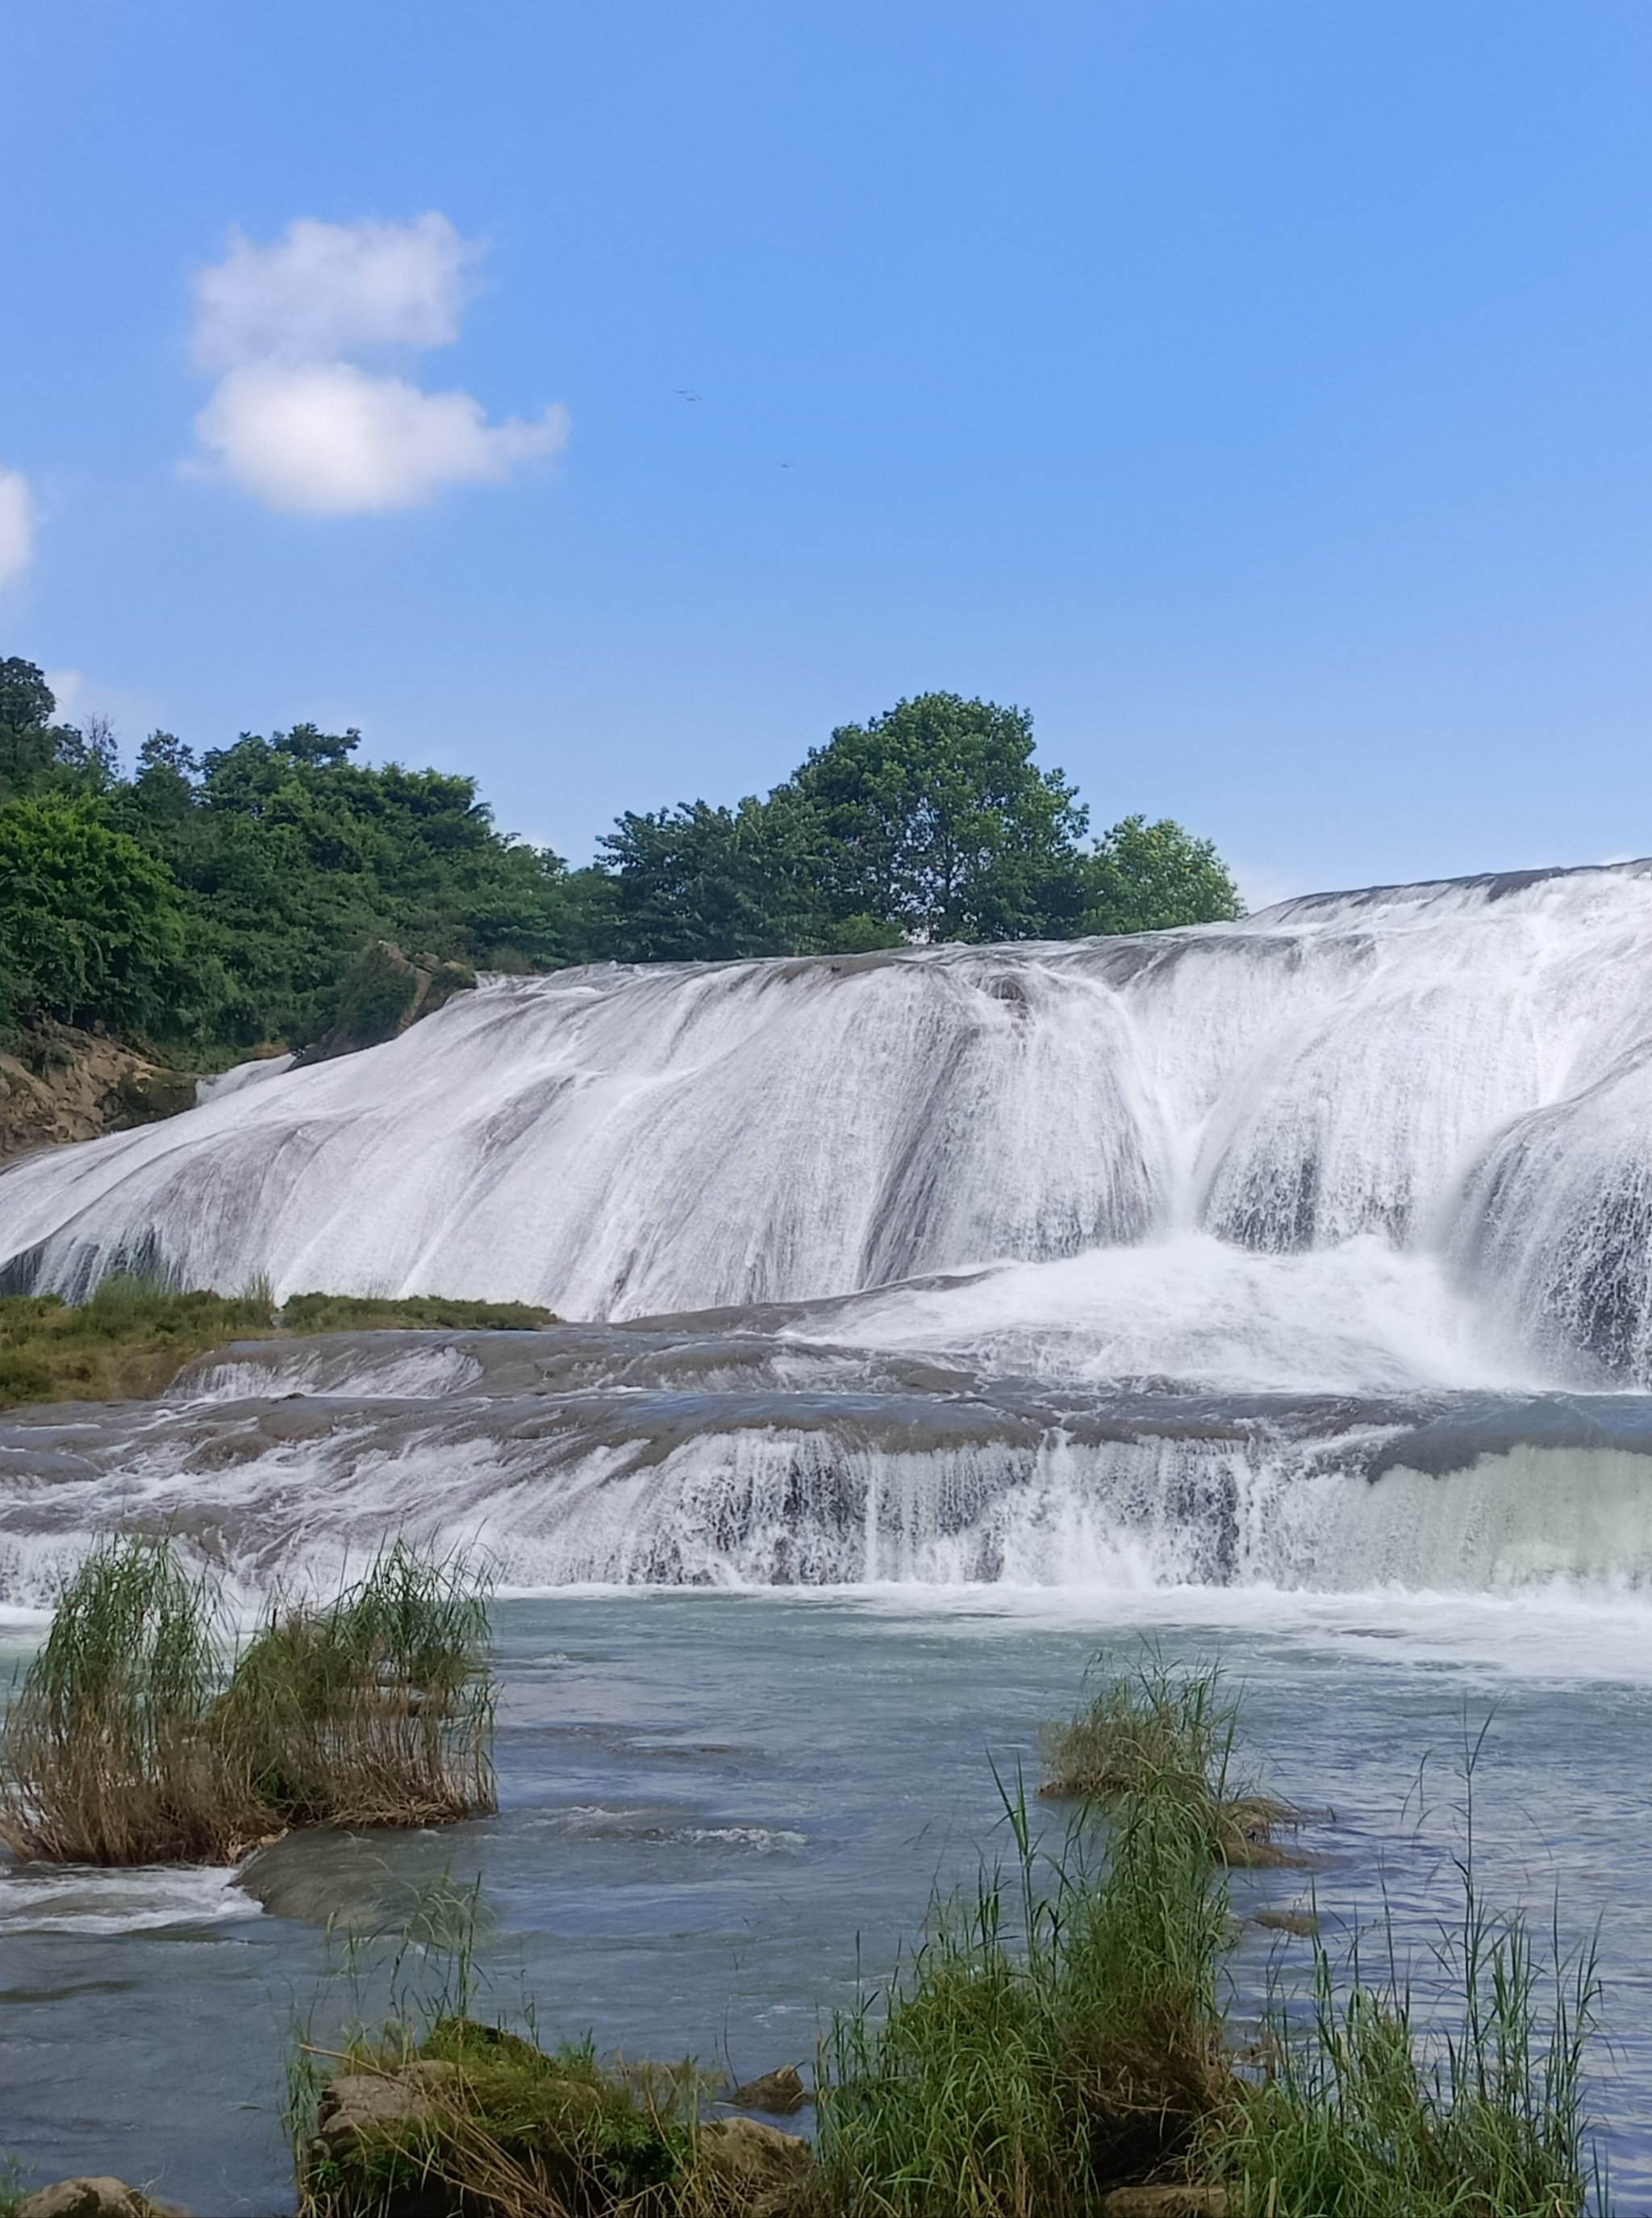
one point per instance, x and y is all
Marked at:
(1453, 1071)
(1396, 1143)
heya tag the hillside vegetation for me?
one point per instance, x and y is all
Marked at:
(130, 1339)
(273, 890)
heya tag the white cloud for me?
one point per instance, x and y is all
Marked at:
(326, 290)
(330, 439)
(16, 525)
(297, 422)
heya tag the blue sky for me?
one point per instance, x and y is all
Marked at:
(1261, 395)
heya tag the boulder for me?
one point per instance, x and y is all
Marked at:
(361, 2105)
(759, 2161)
(93, 2199)
(781, 2092)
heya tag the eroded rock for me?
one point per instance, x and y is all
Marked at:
(64, 1085)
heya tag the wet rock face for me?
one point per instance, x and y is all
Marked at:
(64, 1085)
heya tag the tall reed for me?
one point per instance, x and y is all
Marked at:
(104, 1756)
(1465, 2100)
(377, 1710)
(124, 1744)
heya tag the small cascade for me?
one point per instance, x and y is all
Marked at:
(621, 1455)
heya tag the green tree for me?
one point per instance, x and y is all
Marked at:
(1147, 878)
(90, 929)
(696, 883)
(934, 818)
(35, 751)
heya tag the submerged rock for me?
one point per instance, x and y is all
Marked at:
(1288, 1921)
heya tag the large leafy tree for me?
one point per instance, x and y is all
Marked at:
(293, 857)
(697, 883)
(935, 819)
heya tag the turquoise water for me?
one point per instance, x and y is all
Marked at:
(717, 1806)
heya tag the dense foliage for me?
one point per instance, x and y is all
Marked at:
(932, 822)
(211, 904)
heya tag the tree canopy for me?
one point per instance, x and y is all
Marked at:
(215, 902)
(931, 823)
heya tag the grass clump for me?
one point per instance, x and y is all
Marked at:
(1058, 2035)
(1055, 2034)
(377, 1710)
(476, 2118)
(131, 1338)
(439, 2112)
(1167, 1735)
(125, 1746)
(106, 1756)
(369, 1313)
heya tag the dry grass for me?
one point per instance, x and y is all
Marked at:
(106, 1757)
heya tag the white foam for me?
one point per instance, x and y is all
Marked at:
(85, 1900)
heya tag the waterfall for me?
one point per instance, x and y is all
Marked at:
(1391, 1146)
(1453, 1073)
